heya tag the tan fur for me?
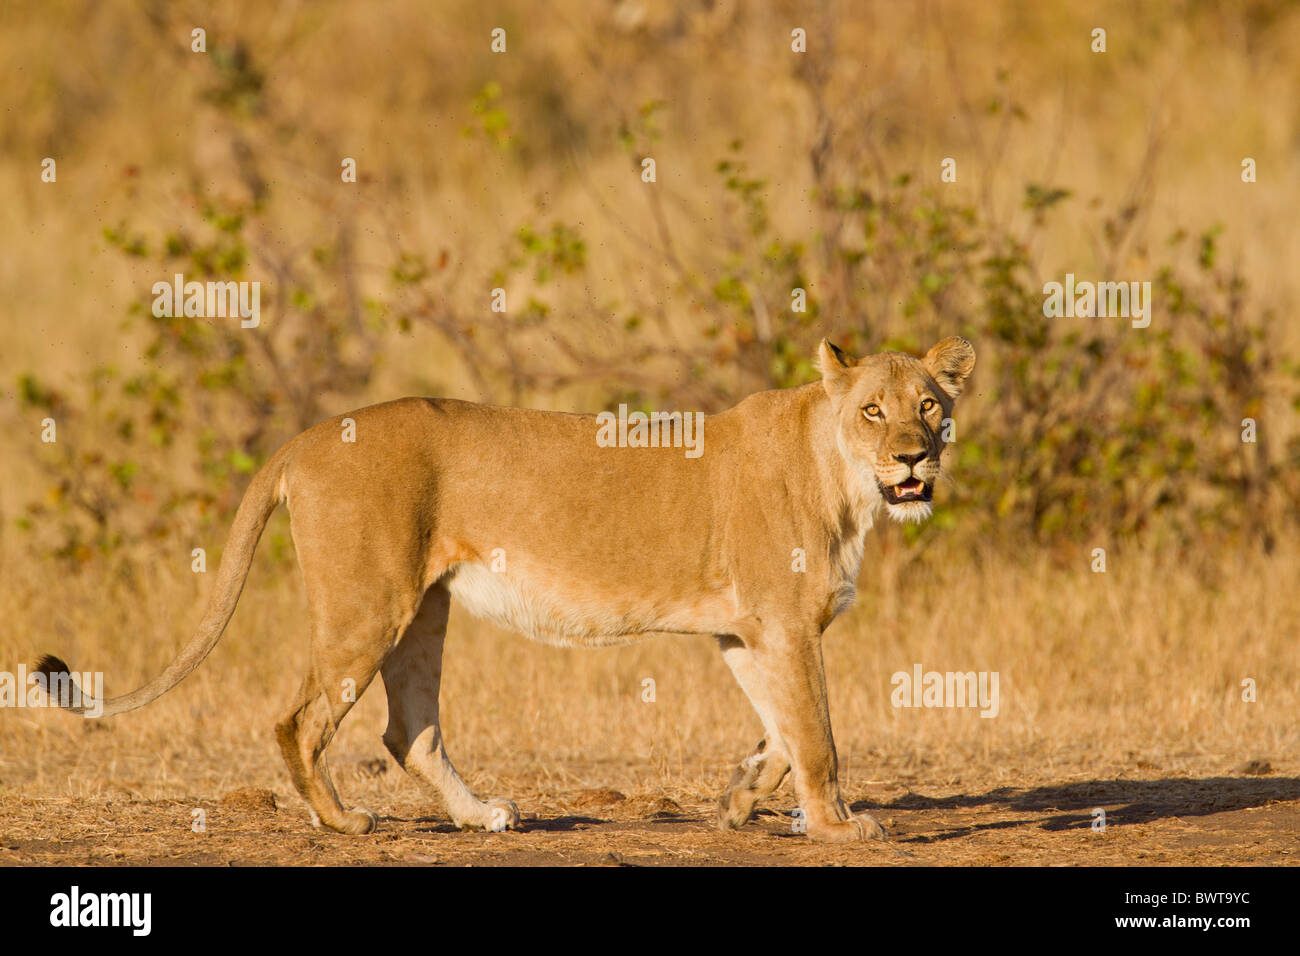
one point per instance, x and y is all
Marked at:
(600, 545)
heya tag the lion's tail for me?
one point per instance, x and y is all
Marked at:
(261, 498)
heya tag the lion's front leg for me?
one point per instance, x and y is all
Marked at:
(789, 663)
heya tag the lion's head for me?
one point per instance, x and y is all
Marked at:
(890, 410)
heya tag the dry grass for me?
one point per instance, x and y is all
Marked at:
(1140, 667)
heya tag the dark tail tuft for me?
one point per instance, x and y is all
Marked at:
(48, 664)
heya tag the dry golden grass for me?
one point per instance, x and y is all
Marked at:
(1138, 667)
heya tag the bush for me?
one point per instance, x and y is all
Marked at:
(1073, 427)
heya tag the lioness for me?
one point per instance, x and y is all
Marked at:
(602, 545)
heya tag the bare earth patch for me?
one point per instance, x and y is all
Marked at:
(1038, 821)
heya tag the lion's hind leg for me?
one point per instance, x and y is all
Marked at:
(304, 733)
(413, 680)
(760, 774)
(350, 639)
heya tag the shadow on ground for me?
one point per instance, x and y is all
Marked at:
(1127, 802)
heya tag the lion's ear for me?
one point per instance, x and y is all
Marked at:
(835, 364)
(950, 362)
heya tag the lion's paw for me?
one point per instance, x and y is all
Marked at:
(735, 809)
(494, 816)
(504, 815)
(856, 829)
(359, 820)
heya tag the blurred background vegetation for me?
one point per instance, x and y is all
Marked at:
(774, 171)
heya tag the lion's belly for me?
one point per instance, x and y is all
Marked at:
(566, 621)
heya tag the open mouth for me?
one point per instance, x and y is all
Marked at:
(913, 489)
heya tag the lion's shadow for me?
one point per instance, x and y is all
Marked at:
(1127, 802)
(531, 824)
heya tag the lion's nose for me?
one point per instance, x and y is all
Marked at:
(910, 458)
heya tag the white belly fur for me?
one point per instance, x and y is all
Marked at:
(506, 600)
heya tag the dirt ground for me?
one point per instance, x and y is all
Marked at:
(1152, 819)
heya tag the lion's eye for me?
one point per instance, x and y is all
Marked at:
(928, 404)
(872, 410)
